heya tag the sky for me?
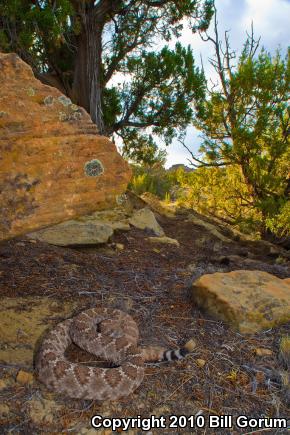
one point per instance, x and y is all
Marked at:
(271, 21)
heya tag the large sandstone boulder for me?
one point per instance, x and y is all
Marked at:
(53, 164)
(250, 301)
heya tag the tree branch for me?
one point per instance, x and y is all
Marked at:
(201, 163)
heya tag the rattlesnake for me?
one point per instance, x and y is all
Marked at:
(110, 334)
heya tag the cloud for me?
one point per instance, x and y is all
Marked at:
(271, 21)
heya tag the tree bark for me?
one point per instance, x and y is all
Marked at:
(87, 83)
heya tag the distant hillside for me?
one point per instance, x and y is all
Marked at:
(180, 166)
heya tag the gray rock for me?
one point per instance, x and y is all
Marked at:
(72, 233)
(145, 219)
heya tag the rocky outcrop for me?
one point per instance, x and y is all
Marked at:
(156, 205)
(23, 321)
(93, 229)
(145, 219)
(98, 227)
(213, 229)
(54, 166)
(250, 301)
(73, 233)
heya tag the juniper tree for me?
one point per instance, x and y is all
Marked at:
(81, 45)
(245, 120)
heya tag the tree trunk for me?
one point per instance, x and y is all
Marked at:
(87, 83)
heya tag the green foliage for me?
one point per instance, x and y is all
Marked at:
(111, 105)
(141, 148)
(154, 179)
(245, 121)
(159, 95)
(219, 192)
(34, 29)
(279, 224)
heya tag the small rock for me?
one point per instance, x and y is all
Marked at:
(165, 240)
(281, 260)
(200, 362)
(274, 250)
(3, 384)
(260, 351)
(4, 409)
(24, 377)
(190, 345)
(191, 267)
(120, 246)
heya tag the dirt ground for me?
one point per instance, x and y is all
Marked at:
(223, 376)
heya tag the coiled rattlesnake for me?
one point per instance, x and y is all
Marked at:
(110, 334)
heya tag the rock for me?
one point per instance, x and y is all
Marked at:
(72, 233)
(116, 218)
(250, 301)
(21, 244)
(95, 228)
(24, 377)
(191, 267)
(260, 351)
(281, 260)
(213, 229)
(131, 201)
(200, 362)
(164, 240)
(4, 409)
(201, 241)
(120, 246)
(237, 260)
(4, 383)
(54, 165)
(157, 205)
(23, 321)
(145, 219)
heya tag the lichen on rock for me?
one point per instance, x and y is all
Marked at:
(94, 168)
